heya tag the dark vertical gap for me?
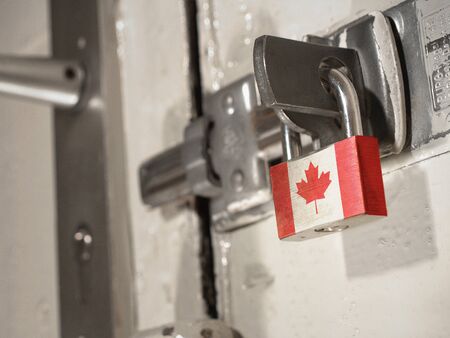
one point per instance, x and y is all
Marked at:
(201, 204)
(207, 258)
(195, 79)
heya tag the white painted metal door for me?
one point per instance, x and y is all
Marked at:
(388, 278)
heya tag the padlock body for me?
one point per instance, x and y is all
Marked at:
(335, 188)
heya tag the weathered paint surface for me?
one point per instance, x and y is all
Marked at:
(387, 278)
(28, 277)
(156, 109)
(384, 279)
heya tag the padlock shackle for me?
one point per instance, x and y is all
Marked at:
(291, 142)
(342, 88)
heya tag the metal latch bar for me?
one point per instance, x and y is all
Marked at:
(224, 157)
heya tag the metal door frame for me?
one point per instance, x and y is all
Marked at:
(96, 294)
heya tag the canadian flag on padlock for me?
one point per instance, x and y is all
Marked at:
(330, 190)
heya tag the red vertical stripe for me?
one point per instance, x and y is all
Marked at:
(282, 200)
(347, 162)
(371, 176)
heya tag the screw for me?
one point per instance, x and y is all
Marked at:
(228, 104)
(83, 243)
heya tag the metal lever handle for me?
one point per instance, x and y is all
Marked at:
(46, 80)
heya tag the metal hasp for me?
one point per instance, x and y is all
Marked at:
(46, 80)
(288, 77)
(224, 157)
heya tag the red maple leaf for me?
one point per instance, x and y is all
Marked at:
(314, 188)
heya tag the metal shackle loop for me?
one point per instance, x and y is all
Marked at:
(342, 88)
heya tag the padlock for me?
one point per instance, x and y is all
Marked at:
(336, 187)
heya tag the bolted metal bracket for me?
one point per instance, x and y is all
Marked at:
(224, 157)
(236, 157)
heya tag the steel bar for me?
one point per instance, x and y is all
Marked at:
(46, 80)
(290, 141)
(163, 177)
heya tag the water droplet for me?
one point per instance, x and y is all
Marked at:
(120, 25)
(207, 23)
(231, 64)
(382, 241)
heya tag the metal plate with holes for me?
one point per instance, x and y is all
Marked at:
(224, 157)
(245, 195)
(95, 295)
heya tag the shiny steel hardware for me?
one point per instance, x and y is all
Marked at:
(368, 50)
(224, 157)
(50, 81)
(362, 72)
(319, 89)
(83, 244)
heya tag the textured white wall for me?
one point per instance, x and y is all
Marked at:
(28, 277)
